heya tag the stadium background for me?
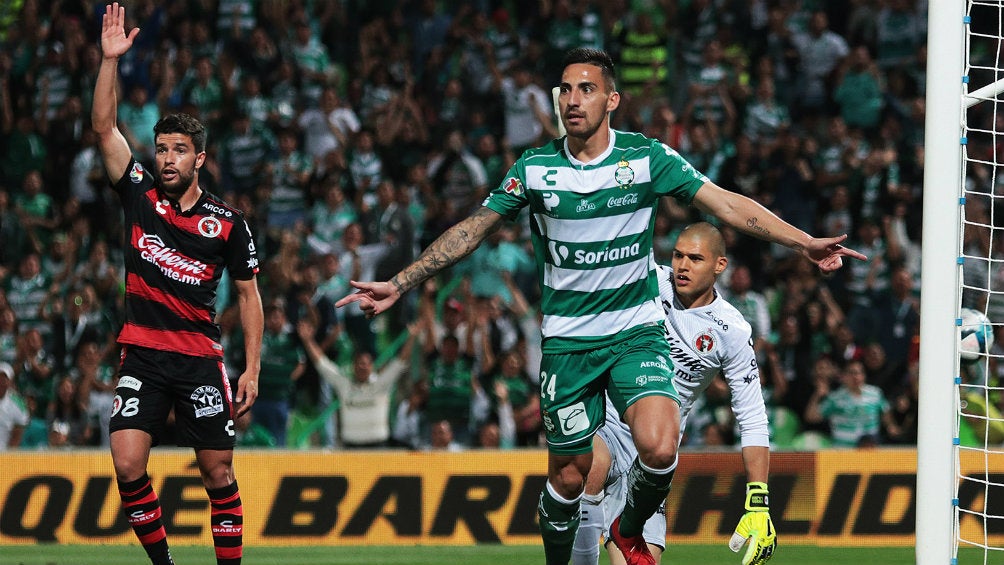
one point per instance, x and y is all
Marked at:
(846, 158)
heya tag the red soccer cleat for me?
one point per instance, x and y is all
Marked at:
(634, 549)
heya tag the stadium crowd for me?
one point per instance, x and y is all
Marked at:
(351, 134)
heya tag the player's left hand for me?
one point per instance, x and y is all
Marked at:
(755, 527)
(247, 393)
(828, 253)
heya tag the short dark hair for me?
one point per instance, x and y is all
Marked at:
(183, 124)
(595, 57)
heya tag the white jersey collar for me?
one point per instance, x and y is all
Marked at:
(599, 158)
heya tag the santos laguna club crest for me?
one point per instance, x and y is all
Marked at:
(624, 175)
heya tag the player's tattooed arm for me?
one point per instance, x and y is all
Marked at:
(456, 243)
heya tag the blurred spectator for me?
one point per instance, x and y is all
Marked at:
(36, 210)
(642, 58)
(327, 127)
(205, 94)
(868, 281)
(282, 363)
(96, 382)
(490, 263)
(750, 303)
(899, 316)
(292, 171)
(244, 151)
(27, 291)
(65, 419)
(364, 398)
(365, 168)
(460, 176)
(899, 31)
(77, 319)
(409, 418)
(137, 115)
(821, 50)
(9, 336)
(35, 375)
(329, 217)
(14, 416)
(858, 413)
(312, 61)
(441, 437)
(765, 117)
(859, 90)
(528, 109)
(86, 176)
(710, 99)
(453, 386)
(515, 395)
(358, 263)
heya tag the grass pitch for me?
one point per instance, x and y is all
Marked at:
(443, 555)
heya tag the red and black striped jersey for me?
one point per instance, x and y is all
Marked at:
(174, 261)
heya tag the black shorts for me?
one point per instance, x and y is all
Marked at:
(152, 382)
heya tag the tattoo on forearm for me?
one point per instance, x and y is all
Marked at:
(754, 224)
(455, 244)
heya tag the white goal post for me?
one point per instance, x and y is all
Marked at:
(960, 450)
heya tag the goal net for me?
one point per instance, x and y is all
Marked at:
(960, 471)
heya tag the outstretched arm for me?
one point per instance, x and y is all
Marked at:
(104, 119)
(748, 216)
(456, 243)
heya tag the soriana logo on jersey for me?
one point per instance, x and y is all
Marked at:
(171, 262)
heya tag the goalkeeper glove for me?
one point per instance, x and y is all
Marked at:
(755, 526)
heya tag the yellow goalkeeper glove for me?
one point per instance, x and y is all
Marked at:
(755, 526)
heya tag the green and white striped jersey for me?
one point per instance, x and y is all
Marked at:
(591, 227)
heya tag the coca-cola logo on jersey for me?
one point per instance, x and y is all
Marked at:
(171, 263)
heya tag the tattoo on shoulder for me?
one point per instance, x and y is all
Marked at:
(754, 224)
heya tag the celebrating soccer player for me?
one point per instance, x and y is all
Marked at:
(592, 197)
(707, 337)
(178, 241)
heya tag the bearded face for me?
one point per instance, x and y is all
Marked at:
(177, 164)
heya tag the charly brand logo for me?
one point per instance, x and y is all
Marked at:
(573, 418)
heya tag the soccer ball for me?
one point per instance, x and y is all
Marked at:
(976, 336)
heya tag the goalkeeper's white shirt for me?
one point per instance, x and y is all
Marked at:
(704, 342)
(711, 340)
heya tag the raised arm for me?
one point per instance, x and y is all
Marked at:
(456, 243)
(104, 116)
(748, 216)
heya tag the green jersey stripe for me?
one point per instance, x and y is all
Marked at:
(595, 302)
(603, 324)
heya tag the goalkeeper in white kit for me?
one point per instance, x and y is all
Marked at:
(707, 337)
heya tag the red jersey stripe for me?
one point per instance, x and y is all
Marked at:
(136, 286)
(187, 343)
